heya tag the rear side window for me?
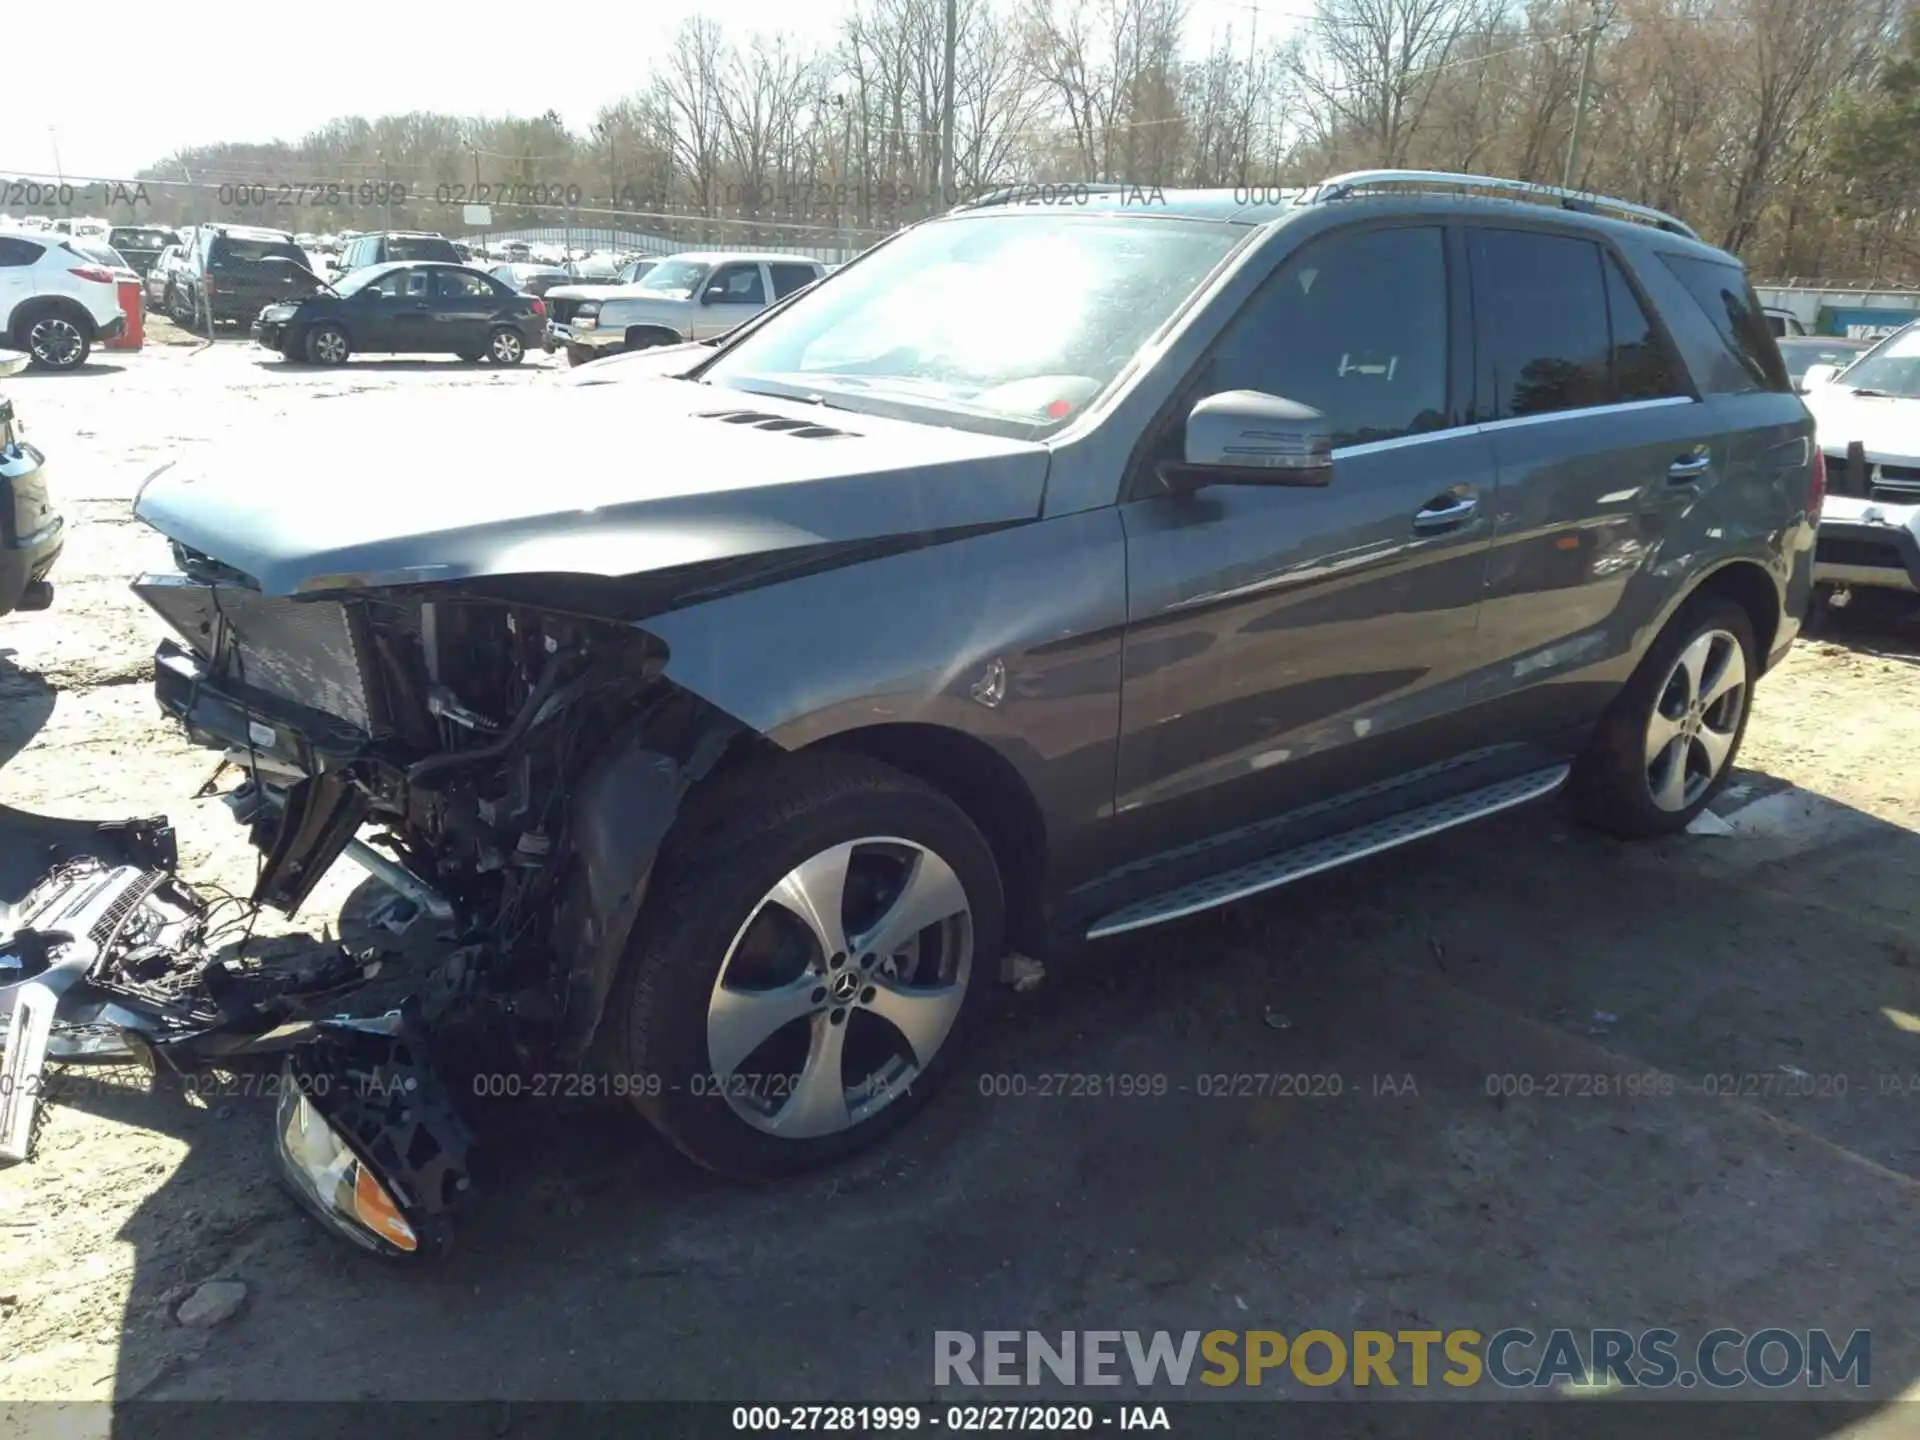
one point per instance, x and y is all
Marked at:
(789, 278)
(1642, 368)
(1723, 294)
(15, 251)
(1546, 343)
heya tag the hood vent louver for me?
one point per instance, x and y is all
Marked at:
(780, 424)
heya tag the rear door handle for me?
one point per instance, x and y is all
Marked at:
(1690, 466)
(1445, 512)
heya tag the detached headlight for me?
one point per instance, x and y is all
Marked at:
(336, 1182)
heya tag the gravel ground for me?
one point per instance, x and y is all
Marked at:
(604, 1268)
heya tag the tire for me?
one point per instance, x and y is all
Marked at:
(505, 347)
(647, 339)
(712, 913)
(58, 337)
(580, 355)
(327, 344)
(180, 312)
(1620, 787)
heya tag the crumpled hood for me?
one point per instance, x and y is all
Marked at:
(1888, 428)
(605, 480)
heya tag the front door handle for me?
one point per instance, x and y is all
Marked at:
(1445, 512)
(1690, 466)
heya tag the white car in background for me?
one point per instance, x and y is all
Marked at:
(58, 296)
(1867, 424)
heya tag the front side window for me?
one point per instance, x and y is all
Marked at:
(738, 285)
(1012, 323)
(1356, 327)
(1545, 339)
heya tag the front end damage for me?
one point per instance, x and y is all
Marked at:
(506, 764)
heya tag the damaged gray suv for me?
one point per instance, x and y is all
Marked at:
(1046, 574)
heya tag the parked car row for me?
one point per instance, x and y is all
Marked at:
(1865, 402)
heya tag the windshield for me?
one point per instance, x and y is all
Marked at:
(1891, 368)
(1802, 355)
(360, 279)
(676, 277)
(126, 239)
(1016, 320)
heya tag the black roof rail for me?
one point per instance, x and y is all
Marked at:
(1358, 181)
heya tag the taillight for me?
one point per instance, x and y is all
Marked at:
(539, 306)
(1817, 493)
(93, 273)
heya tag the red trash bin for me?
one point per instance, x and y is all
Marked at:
(133, 304)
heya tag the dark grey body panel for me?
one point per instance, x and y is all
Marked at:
(1012, 638)
(670, 485)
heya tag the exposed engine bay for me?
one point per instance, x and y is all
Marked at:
(507, 769)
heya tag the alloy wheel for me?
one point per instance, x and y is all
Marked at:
(56, 341)
(1696, 719)
(507, 348)
(840, 988)
(330, 346)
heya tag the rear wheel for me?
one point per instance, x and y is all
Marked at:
(815, 950)
(328, 345)
(642, 338)
(1668, 743)
(505, 347)
(56, 336)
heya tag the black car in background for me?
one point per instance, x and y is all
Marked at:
(231, 271)
(531, 279)
(141, 245)
(406, 308)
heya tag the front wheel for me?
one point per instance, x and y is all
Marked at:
(579, 355)
(1668, 743)
(505, 347)
(328, 345)
(815, 951)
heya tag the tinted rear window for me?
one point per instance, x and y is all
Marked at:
(420, 247)
(125, 238)
(1724, 296)
(233, 247)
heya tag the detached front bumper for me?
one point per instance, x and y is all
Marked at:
(1868, 543)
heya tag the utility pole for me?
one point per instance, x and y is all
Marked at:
(947, 197)
(1253, 56)
(1580, 105)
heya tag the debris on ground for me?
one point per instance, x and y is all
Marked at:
(210, 1305)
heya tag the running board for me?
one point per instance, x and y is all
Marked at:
(1328, 853)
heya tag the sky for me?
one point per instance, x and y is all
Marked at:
(492, 59)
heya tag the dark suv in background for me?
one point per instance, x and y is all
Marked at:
(949, 611)
(141, 245)
(232, 271)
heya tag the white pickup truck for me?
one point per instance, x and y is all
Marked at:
(691, 296)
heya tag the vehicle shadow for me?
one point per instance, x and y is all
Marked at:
(26, 702)
(601, 1265)
(94, 366)
(1881, 623)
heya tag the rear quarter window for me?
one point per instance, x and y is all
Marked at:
(1725, 297)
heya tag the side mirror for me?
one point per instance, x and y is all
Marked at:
(1818, 375)
(713, 294)
(1244, 437)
